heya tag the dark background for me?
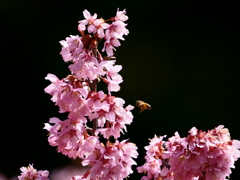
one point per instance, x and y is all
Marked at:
(180, 57)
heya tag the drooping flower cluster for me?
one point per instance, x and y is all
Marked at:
(201, 155)
(92, 113)
(88, 63)
(29, 173)
(112, 161)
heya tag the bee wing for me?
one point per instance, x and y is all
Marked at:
(148, 106)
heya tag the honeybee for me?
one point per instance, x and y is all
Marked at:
(142, 105)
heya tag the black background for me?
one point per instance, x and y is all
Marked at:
(181, 57)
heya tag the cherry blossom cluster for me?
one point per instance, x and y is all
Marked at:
(87, 63)
(199, 156)
(96, 119)
(29, 173)
(92, 114)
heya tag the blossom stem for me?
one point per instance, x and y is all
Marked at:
(93, 87)
(86, 174)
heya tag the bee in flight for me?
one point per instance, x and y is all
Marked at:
(142, 105)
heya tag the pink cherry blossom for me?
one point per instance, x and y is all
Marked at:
(77, 94)
(121, 15)
(31, 173)
(71, 48)
(113, 79)
(119, 29)
(100, 25)
(113, 161)
(52, 88)
(91, 150)
(88, 21)
(112, 117)
(201, 155)
(67, 135)
(209, 152)
(85, 67)
(115, 31)
(110, 42)
(68, 92)
(156, 165)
